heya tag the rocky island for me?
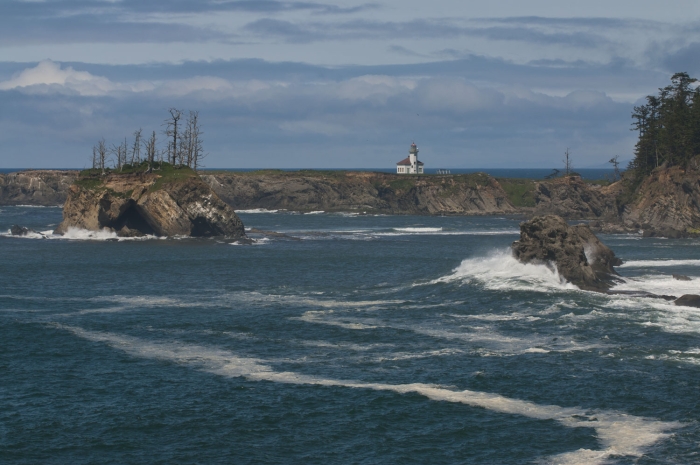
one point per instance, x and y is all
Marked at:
(573, 251)
(166, 202)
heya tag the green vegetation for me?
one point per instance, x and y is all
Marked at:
(93, 179)
(669, 128)
(403, 184)
(169, 174)
(520, 192)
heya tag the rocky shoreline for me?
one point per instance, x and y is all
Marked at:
(665, 204)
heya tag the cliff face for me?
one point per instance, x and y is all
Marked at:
(36, 187)
(138, 204)
(361, 191)
(572, 198)
(667, 203)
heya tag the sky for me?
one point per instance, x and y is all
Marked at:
(339, 84)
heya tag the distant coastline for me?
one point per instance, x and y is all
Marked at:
(520, 173)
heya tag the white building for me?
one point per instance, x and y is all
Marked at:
(410, 165)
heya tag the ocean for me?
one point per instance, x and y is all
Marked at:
(344, 339)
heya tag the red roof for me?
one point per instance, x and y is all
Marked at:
(407, 161)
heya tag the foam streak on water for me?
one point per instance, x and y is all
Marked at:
(619, 433)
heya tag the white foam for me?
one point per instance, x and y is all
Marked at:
(344, 346)
(319, 318)
(618, 433)
(418, 230)
(501, 271)
(257, 210)
(78, 234)
(440, 232)
(657, 263)
(318, 212)
(659, 284)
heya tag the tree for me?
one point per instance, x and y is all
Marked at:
(668, 127)
(171, 131)
(616, 164)
(119, 152)
(151, 151)
(101, 155)
(195, 148)
(136, 149)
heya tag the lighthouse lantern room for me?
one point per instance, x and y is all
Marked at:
(410, 165)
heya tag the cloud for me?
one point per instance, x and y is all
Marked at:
(684, 59)
(48, 76)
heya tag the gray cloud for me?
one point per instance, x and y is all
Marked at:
(685, 59)
(315, 121)
(423, 28)
(130, 21)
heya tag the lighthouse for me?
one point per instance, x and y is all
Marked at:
(410, 165)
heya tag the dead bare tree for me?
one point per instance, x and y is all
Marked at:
(171, 131)
(119, 154)
(102, 155)
(195, 140)
(136, 149)
(94, 157)
(151, 151)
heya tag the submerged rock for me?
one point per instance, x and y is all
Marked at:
(138, 204)
(688, 300)
(681, 277)
(19, 230)
(574, 251)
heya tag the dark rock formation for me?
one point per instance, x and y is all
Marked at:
(362, 191)
(138, 204)
(36, 187)
(688, 300)
(16, 230)
(681, 277)
(574, 251)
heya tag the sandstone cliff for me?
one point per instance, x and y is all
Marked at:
(36, 187)
(165, 204)
(361, 191)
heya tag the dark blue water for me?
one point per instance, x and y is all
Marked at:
(354, 339)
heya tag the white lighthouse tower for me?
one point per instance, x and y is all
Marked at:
(410, 165)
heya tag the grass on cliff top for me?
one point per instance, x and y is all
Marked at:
(520, 192)
(168, 174)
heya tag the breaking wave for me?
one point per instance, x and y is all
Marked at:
(501, 271)
(78, 234)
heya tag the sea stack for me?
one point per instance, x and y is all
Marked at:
(574, 251)
(170, 202)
